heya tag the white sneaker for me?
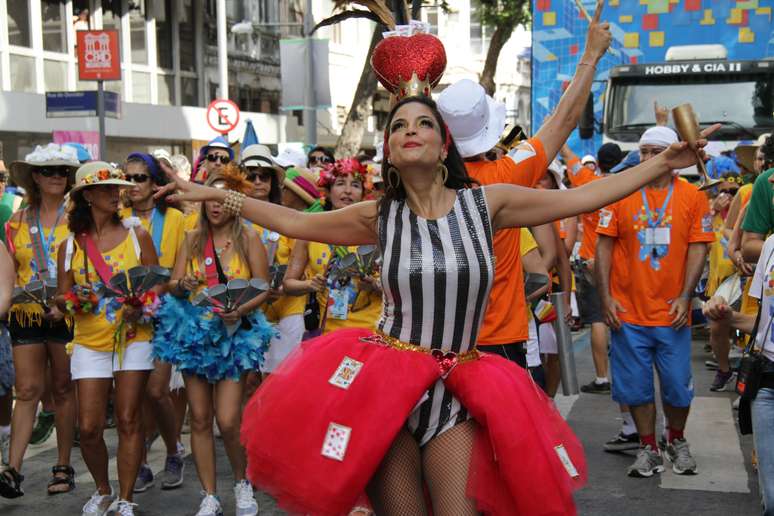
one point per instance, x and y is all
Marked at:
(210, 506)
(121, 508)
(245, 501)
(98, 504)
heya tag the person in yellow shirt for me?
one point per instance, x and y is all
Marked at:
(165, 225)
(38, 336)
(352, 301)
(287, 311)
(111, 341)
(214, 361)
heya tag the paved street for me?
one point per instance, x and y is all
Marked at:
(725, 484)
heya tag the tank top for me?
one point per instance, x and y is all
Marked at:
(171, 236)
(236, 268)
(436, 277)
(31, 314)
(436, 274)
(97, 331)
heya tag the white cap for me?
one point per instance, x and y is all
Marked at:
(588, 158)
(475, 119)
(659, 136)
(291, 157)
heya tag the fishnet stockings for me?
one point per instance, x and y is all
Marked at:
(396, 488)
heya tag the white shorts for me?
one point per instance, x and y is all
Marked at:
(533, 351)
(87, 363)
(291, 331)
(574, 304)
(547, 339)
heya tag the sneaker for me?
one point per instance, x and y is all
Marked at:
(144, 479)
(98, 504)
(210, 506)
(647, 463)
(5, 448)
(43, 427)
(596, 388)
(722, 380)
(180, 449)
(679, 454)
(121, 508)
(245, 501)
(623, 442)
(172, 476)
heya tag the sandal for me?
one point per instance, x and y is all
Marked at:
(10, 483)
(67, 480)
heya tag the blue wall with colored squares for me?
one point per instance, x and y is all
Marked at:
(642, 31)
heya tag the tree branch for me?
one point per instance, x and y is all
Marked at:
(346, 15)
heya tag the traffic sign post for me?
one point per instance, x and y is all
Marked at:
(222, 116)
(99, 59)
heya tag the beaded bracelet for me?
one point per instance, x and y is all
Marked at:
(233, 202)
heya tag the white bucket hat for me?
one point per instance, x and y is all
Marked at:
(291, 157)
(475, 119)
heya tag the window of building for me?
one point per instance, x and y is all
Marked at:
(479, 37)
(55, 75)
(187, 34)
(235, 10)
(23, 76)
(81, 13)
(189, 91)
(141, 87)
(54, 26)
(431, 17)
(137, 28)
(163, 16)
(19, 24)
(111, 14)
(166, 89)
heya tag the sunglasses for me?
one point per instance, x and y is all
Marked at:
(213, 158)
(320, 159)
(730, 191)
(263, 175)
(137, 178)
(3, 178)
(53, 171)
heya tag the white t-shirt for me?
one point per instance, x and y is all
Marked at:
(764, 275)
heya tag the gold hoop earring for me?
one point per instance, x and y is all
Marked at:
(444, 172)
(392, 171)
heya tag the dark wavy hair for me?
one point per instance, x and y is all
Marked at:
(79, 219)
(767, 149)
(458, 175)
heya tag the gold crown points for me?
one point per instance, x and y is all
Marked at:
(414, 87)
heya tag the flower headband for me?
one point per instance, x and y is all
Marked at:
(102, 174)
(341, 167)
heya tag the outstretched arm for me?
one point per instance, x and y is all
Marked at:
(514, 206)
(560, 124)
(353, 225)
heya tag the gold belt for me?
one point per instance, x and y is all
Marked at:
(447, 360)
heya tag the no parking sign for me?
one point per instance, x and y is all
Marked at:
(222, 115)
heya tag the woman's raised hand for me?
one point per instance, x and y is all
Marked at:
(179, 189)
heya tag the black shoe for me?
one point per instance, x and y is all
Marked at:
(596, 388)
(10, 483)
(623, 442)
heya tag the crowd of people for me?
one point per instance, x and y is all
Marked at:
(373, 333)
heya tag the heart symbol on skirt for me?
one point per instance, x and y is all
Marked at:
(446, 361)
(397, 58)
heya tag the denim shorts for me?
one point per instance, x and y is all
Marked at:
(636, 349)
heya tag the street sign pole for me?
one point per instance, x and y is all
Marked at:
(101, 117)
(310, 101)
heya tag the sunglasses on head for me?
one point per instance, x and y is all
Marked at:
(213, 158)
(320, 159)
(137, 178)
(263, 175)
(53, 171)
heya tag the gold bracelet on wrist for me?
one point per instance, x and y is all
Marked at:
(233, 202)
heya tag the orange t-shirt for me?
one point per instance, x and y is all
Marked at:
(645, 285)
(579, 176)
(506, 320)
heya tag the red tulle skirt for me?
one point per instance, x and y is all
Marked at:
(314, 436)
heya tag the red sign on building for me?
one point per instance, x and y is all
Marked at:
(99, 58)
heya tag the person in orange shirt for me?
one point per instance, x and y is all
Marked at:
(608, 156)
(651, 250)
(476, 122)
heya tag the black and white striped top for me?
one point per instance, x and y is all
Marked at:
(436, 277)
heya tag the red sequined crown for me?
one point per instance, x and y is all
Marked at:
(409, 65)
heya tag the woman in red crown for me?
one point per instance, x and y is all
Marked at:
(414, 403)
